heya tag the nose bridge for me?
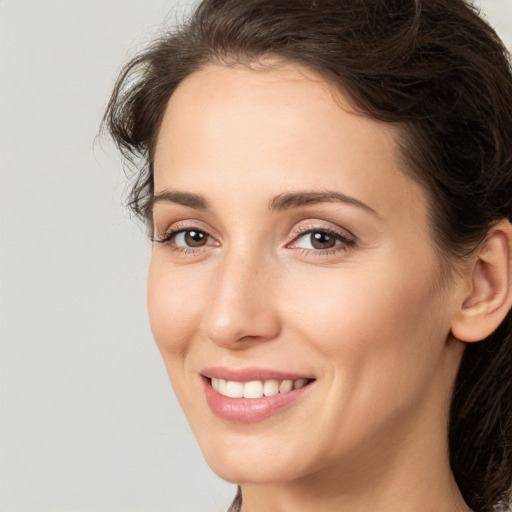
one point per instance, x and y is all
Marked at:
(240, 306)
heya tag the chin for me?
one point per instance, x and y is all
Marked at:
(253, 465)
(252, 473)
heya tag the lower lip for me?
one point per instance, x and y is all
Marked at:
(249, 410)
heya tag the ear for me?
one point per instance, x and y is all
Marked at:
(488, 298)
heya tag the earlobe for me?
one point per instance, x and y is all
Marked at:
(489, 298)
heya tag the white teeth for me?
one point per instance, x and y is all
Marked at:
(299, 383)
(285, 386)
(255, 388)
(234, 389)
(270, 387)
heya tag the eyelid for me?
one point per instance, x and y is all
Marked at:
(181, 226)
(346, 239)
(318, 225)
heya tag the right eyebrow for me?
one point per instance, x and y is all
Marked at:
(183, 198)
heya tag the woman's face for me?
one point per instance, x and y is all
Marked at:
(295, 253)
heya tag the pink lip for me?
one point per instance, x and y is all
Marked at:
(249, 410)
(249, 374)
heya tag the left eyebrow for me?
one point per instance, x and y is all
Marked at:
(297, 199)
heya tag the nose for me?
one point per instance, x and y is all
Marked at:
(240, 310)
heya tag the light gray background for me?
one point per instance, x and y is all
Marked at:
(88, 422)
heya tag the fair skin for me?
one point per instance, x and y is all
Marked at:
(338, 283)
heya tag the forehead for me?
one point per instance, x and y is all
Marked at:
(265, 130)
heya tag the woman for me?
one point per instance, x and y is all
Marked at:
(328, 187)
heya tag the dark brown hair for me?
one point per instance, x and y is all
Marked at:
(435, 69)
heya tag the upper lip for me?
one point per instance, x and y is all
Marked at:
(250, 374)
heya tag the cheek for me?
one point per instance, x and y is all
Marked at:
(379, 335)
(371, 315)
(174, 309)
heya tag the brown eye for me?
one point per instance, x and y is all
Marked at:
(194, 238)
(322, 240)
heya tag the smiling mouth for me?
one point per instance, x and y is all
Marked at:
(256, 388)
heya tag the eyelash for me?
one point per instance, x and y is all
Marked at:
(346, 241)
(168, 236)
